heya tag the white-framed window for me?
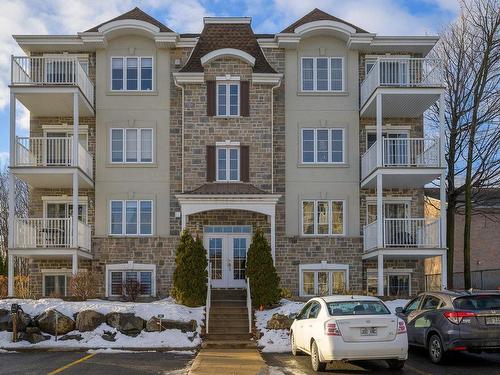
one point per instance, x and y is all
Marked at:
(323, 146)
(228, 99)
(131, 217)
(323, 217)
(393, 209)
(228, 163)
(369, 63)
(322, 74)
(55, 284)
(323, 279)
(117, 275)
(131, 145)
(396, 282)
(132, 73)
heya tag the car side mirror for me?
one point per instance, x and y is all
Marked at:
(399, 310)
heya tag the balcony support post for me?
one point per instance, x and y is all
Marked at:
(74, 221)
(444, 271)
(75, 129)
(380, 213)
(379, 130)
(12, 162)
(380, 275)
(74, 264)
(10, 277)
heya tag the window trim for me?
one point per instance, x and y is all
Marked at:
(372, 201)
(138, 145)
(315, 219)
(124, 218)
(372, 273)
(315, 74)
(124, 77)
(228, 163)
(129, 267)
(315, 147)
(55, 272)
(322, 267)
(228, 84)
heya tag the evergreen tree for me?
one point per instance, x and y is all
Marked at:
(190, 275)
(264, 280)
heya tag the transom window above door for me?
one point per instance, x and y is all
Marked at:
(228, 99)
(323, 146)
(132, 73)
(322, 74)
(228, 163)
(131, 145)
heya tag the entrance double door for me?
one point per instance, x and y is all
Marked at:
(227, 254)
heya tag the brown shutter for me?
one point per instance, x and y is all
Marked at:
(210, 163)
(211, 98)
(245, 98)
(244, 164)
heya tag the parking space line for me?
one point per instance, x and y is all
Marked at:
(60, 369)
(417, 370)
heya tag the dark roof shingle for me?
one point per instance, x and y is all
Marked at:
(318, 15)
(233, 188)
(227, 35)
(135, 14)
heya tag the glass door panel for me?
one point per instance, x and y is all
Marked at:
(215, 257)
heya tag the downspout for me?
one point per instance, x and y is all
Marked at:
(182, 135)
(272, 134)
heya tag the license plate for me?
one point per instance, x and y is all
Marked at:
(369, 331)
(493, 320)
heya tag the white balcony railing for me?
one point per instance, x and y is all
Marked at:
(408, 232)
(51, 71)
(51, 152)
(49, 233)
(402, 153)
(402, 72)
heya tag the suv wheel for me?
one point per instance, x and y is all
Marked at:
(316, 364)
(435, 349)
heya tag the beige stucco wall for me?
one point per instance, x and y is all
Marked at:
(321, 110)
(133, 110)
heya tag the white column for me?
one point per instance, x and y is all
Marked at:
(74, 239)
(273, 236)
(380, 213)
(74, 264)
(379, 130)
(380, 275)
(10, 278)
(183, 220)
(444, 268)
(75, 129)
(12, 160)
(442, 182)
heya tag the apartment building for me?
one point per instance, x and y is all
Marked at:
(313, 134)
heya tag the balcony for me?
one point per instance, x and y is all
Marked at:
(409, 86)
(49, 236)
(404, 237)
(411, 162)
(57, 79)
(48, 162)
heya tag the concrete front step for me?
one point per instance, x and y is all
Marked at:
(231, 294)
(228, 310)
(228, 336)
(229, 344)
(228, 330)
(228, 323)
(229, 303)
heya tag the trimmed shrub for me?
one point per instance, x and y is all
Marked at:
(264, 280)
(3, 286)
(132, 290)
(190, 275)
(83, 285)
(22, 287)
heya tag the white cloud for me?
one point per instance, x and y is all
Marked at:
(22, 119)
(4, 158)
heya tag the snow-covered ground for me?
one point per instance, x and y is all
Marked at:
(171, 338)
(278, 341)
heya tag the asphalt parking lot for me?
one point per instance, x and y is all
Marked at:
(462, 364)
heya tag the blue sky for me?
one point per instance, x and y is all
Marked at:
(385, 17)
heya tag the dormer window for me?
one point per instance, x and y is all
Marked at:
(323, 74)
(228, 99)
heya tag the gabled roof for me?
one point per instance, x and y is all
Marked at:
(134, 14)
(222, 35)
(318, 15)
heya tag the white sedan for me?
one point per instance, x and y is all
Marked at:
(349, 328)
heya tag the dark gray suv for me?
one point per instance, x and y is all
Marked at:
(453, 321)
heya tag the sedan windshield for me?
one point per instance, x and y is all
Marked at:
(479, 302)
(357, 308)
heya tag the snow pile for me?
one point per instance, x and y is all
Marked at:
(171, 338)
(278, 341)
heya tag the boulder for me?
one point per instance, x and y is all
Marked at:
(76, 337)
(46, 321)
(33, 337)
(279, 321)
(153, 325)
(5, 320)
(88, 320)
(109, 336)
(23, 320)
(126, 323)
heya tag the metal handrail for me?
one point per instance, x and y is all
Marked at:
(249, 306)
(209, 298)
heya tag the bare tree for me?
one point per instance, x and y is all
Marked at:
(464, 106)
(21, 210)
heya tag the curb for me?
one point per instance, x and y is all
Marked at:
(81, 349)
